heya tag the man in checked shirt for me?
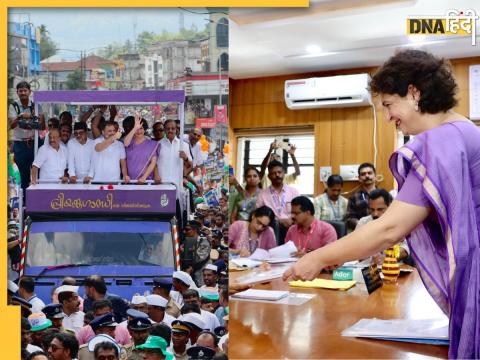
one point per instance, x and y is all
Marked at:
(358, 201)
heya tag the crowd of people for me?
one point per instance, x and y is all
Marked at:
(175, 319)
(266, 214)
(182, 317)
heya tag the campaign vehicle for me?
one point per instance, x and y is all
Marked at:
(126, 233)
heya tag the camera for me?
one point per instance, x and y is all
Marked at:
(29, 124)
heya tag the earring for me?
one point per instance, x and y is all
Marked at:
(416, 106)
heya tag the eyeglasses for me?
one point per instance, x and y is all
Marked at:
(77, 133)
(158, 130)
(55, 348)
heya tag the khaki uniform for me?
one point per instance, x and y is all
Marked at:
(173, 309)
(133, 353)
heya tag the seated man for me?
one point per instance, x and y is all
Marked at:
(308, 233)
(358, 201)
(108, 159)
(379, 200)
(51, 160)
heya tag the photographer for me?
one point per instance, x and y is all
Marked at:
(23, 120)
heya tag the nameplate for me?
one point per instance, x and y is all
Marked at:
(371, 275)
(343, 274)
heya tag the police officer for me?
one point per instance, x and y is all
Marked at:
(101, 325)
(162, 287)
(139, 329)
(54, 312)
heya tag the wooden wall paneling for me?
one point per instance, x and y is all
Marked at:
(323, 148)
(342, 136)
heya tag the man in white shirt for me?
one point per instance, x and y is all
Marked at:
(173, 156)
(80, 151)
(156, 310)
(26, 289)
(210, 276)
(68, 297)
(109, 157)
(191, 296)
(51, 160)
(195, 147)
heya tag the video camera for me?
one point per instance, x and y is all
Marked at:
(29, 124)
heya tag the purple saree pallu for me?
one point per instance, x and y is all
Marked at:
(446, 160)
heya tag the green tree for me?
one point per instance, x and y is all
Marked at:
(144, 40)
(74, 81)
(47, 46)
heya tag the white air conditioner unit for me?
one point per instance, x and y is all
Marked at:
(328, 92)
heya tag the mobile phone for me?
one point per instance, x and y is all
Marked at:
(230, 170)
(284, 145)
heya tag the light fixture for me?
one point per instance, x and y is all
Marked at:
(313, 49)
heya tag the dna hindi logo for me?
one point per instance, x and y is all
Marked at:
(456, 22)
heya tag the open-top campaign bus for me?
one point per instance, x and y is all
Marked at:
(127, 233)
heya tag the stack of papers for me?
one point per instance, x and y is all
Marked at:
(259, 276)
(324, 284)
(276, 255)
(254, 294)
(245, 263)
(427, 331)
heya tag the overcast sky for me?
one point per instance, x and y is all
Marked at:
(83, 29)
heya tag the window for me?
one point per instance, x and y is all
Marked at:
(223, 59)
(222, 33)
(252, 151)
(100, 243)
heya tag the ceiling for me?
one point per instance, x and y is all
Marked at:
(339, 34)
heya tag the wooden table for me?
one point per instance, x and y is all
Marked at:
(311, 331)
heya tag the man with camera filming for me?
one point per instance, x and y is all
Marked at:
(24, 122)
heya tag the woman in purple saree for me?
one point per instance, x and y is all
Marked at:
(141, 152)
(438, 205)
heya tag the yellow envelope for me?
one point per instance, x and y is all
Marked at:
(323, 284)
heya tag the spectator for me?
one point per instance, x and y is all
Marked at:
(26, 289)
(191, 296)
(96, 289)
(155, 348)
(331, 205)
(358, 201)
(245, 199)
(278, 197)
(20, 119)
(38, 324)
(64, 346)
(102, 307)
(68, 297)
(156, 309)
(271, 155)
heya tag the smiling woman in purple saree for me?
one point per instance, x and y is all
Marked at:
(141, 152)
(438, 204)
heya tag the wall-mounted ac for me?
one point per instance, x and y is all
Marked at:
(328, 92)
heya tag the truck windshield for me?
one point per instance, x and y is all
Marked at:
(100, 243)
